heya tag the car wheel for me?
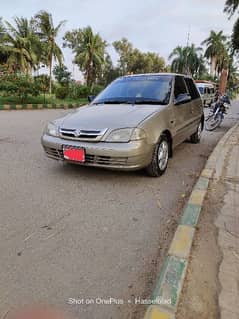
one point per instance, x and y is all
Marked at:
(196, 137)
(160, 158)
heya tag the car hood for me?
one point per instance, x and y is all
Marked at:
(111, 116)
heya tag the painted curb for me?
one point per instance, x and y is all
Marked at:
(6, 107)
(166, 295)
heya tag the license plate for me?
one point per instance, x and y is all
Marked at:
(74, 154)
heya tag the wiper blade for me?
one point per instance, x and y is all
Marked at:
(112, 102)
(116, 102)
(153, 102)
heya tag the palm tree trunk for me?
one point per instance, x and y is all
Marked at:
(50, 74)
(223, 81)
(213, 66)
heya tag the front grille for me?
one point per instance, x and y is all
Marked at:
(89, 158)
(106, 160)
(82, 135)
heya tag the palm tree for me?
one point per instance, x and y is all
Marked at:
(48, 34)
(187, 60)
(231, 6)
(194, 63)
(89, 49)
(215, 48)
(18, 43)
(179, 56)
(3, 54)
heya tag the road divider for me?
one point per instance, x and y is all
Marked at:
(38, 106)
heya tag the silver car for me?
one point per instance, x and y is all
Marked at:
(134, 123)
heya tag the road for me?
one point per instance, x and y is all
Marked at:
(75, 232)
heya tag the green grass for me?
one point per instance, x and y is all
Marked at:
(49, 99)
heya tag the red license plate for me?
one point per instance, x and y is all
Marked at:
(74, 154)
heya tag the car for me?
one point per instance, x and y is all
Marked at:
(134, 123)
(207, 92)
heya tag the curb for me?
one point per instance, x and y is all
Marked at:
(5, 107)
(166, 295)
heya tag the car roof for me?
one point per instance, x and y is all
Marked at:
(204, 84)
(157, 74)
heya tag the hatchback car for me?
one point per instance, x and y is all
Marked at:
(134, 123)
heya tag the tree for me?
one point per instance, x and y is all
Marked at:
(231, 6)
(132, 60)
(89, 50)
(109, 72)
(3, 54)
(62, 75)
(125, 51)
(235, 37)
(188, 60)
(48, 34)
(215, 48)
(20, 44)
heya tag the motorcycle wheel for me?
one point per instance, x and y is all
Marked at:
(212, 122)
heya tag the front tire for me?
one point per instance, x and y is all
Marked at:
(160, 158)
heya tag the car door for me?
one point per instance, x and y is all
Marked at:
(196, 105)
(182, 113)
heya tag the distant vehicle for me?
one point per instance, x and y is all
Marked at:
(216, 116)
(207, 91)
(134, 123)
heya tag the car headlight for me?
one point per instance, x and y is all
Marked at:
(51, 129)
(125, 135)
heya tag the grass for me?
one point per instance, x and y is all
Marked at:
(48, 99)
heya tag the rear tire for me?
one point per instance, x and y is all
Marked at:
(160, 158)
(196, 137)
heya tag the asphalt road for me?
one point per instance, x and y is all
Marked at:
(75, 232)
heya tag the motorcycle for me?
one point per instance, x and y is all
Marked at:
(216, 116)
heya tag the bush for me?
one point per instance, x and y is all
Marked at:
(77, 91)
(43, 80)
(97, 89)
(19, 85)
(62, 92)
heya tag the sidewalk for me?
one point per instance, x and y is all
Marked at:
(211, 288)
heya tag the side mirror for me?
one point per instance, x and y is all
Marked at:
(91, 98)
(182, 98)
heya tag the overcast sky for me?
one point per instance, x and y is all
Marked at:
(151, 25)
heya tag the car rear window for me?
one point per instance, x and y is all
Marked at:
(201, 89)
(192, 89)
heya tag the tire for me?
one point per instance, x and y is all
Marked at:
(160, 158)
(196, 137)
(212, 122)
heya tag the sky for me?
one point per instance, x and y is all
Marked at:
(151, 25)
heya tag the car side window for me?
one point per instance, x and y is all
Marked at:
(180, 86)
(192, 89)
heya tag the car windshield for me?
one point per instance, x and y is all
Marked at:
(155, 89)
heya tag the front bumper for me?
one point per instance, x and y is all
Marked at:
(123, 156)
